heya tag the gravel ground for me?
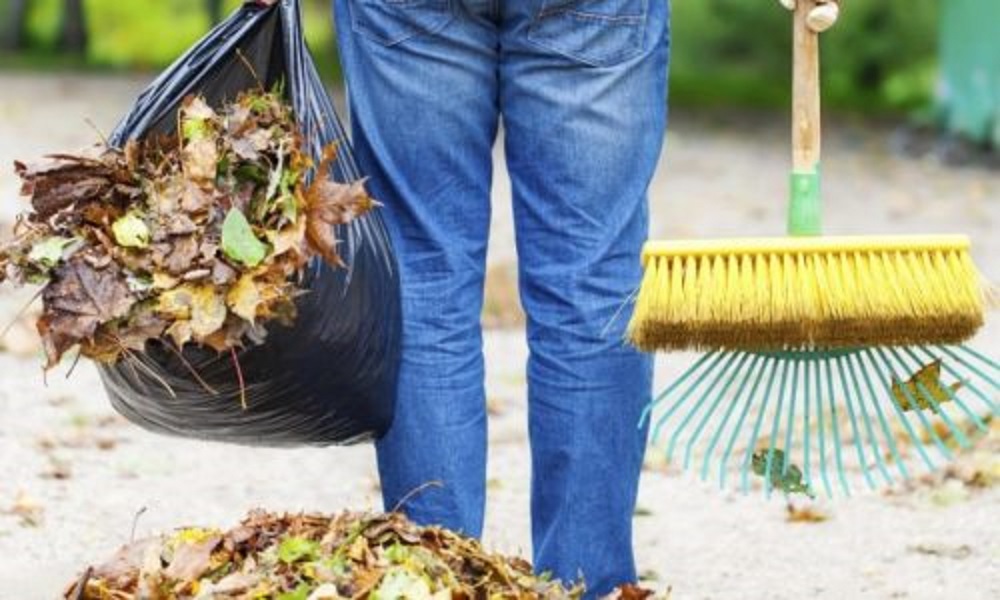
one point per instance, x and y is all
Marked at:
(76, 476)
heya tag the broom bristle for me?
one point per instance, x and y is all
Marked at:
(830, 292)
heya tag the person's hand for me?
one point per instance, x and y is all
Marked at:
(820, 18)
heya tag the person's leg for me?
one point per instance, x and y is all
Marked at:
(422, 84)
(583, 98)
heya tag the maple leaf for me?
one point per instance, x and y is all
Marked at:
(78, 299)
(329, 203)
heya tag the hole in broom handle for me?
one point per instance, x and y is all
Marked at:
(804, 214)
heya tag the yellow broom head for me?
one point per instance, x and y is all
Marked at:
(822, 292)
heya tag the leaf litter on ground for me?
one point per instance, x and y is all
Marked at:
(196, 237)
(319, 557)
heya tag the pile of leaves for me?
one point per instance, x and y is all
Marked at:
(198, 236)
(316, 557)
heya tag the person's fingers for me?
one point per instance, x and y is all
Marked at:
(789, 4)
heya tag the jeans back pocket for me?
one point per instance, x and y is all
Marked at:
(600, 33)
(390, 22)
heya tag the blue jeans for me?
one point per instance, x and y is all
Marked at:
(581, 88)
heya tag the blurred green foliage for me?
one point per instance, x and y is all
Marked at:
(880, 57)
(143, 34)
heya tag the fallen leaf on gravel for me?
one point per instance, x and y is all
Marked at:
(960, 552)
(631, 592)
(27, 509)
(951, 492)
(805, 514)
(58, 468)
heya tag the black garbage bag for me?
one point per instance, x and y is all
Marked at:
(330, 377)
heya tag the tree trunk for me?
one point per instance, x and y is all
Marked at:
(73, 37)
(214, 10)
(13, 37)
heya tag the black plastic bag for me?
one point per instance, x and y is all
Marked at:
(329, 378)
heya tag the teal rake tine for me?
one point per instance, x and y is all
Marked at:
(806, 474)
(711, 410)
(790, 424)
(902, 416)
(985, 359)
(694, 409)
(969, 384)
(945, 453)
(980, 425)
(729, 413)
(768, 363)
(866, 419)
(774, 430)
(745, 467)
(831, 399)
(821, 430)
(890, 438)
(684, 396)
(680, 381)
(862, 461)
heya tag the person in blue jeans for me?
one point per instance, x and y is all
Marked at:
(580, 87)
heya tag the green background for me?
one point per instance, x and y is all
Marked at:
(881, 57)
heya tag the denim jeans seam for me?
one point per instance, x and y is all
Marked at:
(637, 19)
(445, 7)
(606, 61)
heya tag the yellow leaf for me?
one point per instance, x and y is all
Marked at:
(164, 281)
(925, 382)
(177, 303)
(208, 311)
(244, 298)
(179, 332)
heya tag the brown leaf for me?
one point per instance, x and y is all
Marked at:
(805, 514)
(229, 336)
(141, 327)
(191, 561)
(330, 203)
(184, 251)
(222, 273)
(200, 158)
(629, 591)
(123, 568)
(78, 299)
(195, 107)
(180, 332)
(63, 181)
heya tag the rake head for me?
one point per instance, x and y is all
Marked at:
(810, 421)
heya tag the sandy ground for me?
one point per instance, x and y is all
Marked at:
(74, 476)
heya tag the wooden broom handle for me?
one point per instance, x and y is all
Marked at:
(805, 92)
